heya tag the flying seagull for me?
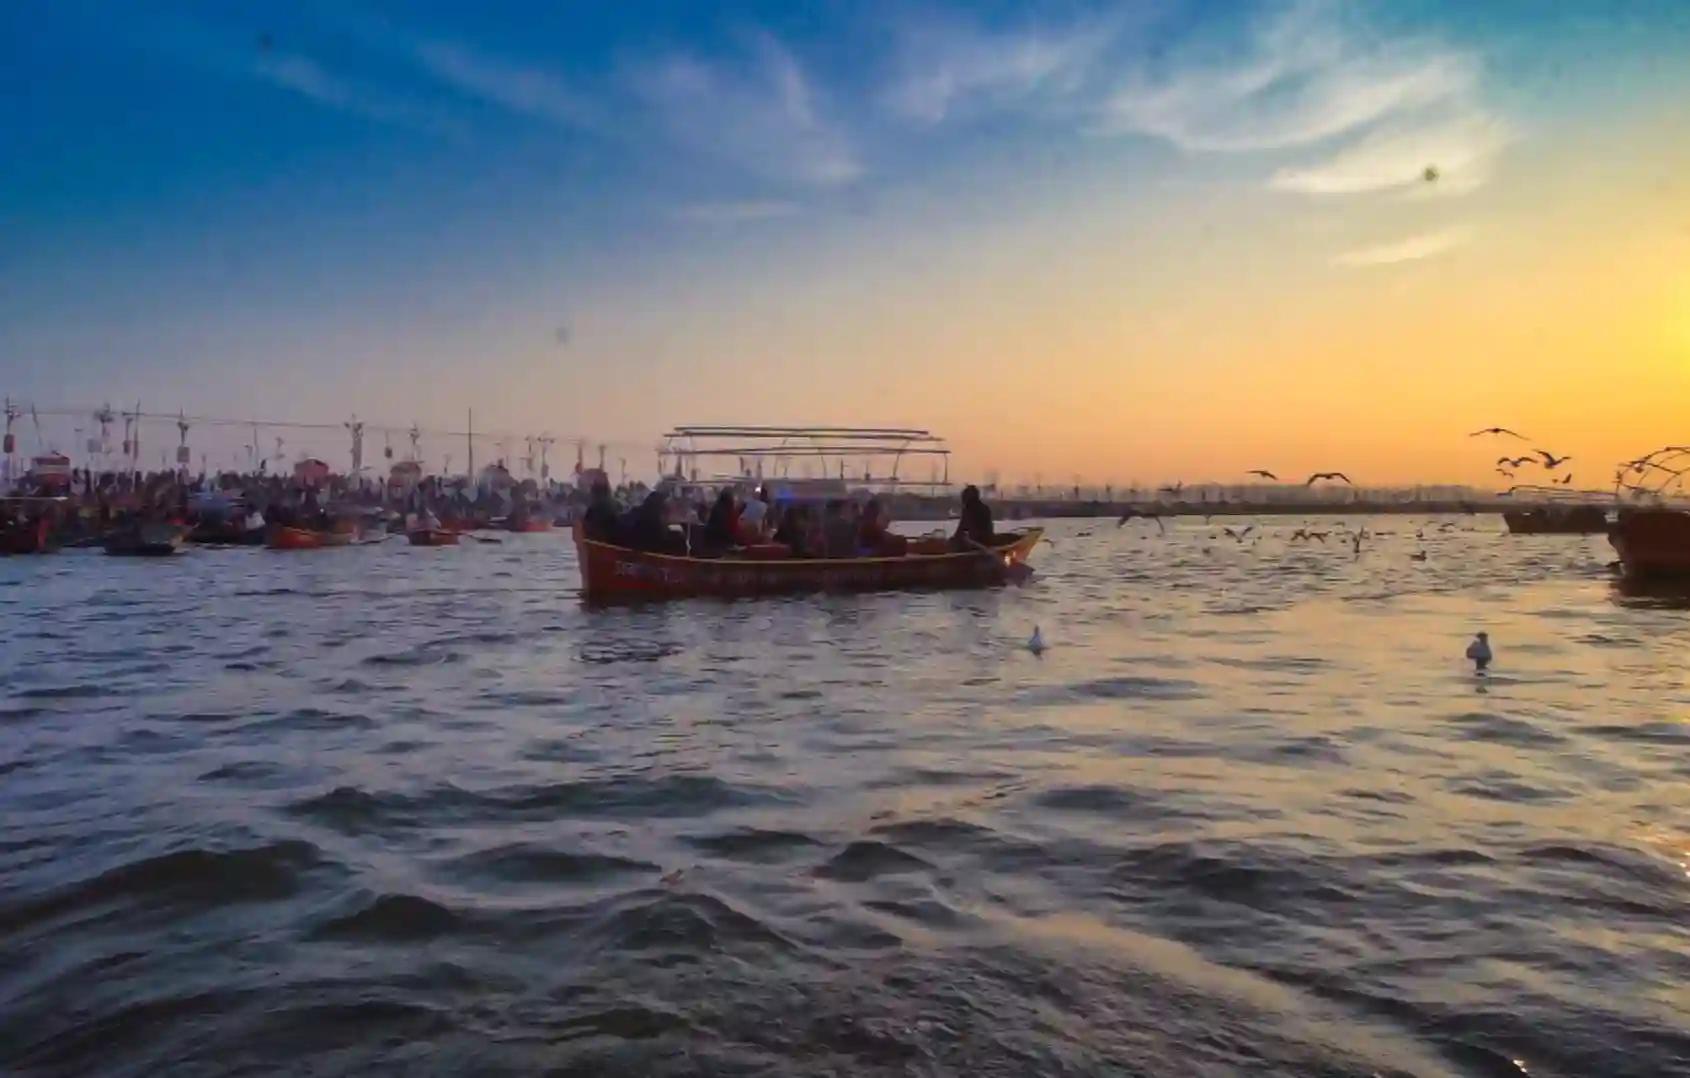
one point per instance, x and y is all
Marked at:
(1505, 473)
(1430, 174)
(1240, 535)
(1318, 476)
(1567, 480)
(1264, 473)
(1499, 430)
(1550, 460)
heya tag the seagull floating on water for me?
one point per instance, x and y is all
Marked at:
(1036, 644)
(1479, 652)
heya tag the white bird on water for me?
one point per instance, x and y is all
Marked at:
(1479, 652)
(1036, 644)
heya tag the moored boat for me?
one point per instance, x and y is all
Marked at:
(145, 541)
(1652, 542)
(1557, 520)
(285, 537)
(611, 573)
(432, 537)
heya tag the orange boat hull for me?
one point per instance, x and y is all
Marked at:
(285, 538)
(1653, 542)
(611, 573)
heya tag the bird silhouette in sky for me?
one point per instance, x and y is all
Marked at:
(1567, 480)
(1430, 174)
(1505, 473)
(1240, 535)
(1318, 476)
(1264, 473)
(1499, 430)
(1550, 460)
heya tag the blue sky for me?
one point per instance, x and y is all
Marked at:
(303, 209)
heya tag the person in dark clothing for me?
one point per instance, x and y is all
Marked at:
(975, 526)
(647, 527)
(600, 522)
(794, 531)
(720, 528)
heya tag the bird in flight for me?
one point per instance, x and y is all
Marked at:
(1498, 430)
(1567, 480)
(1550, 460)
(1515, 462)
(1241, 534)
(1430, 174)
(1173, 488)
(1318, 476)
(1264, 473)
(1505, 473)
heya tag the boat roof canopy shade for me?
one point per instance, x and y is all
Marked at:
(812, 451)
(841, 433)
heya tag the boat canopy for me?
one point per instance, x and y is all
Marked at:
(803, 459)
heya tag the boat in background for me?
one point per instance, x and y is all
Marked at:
(528, 524)
(611, 573)
(145, 540)
(432, 537)
(285, 537)
(1557, 520)
(1652, 543)
(27, 524)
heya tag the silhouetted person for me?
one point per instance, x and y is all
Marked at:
(975, 526)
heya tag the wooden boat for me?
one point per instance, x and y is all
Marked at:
(226, 533)
(27, 525)
(284, 537)
(145, 541)
(432, 537)
(1652, 542)
(611, 573)
(1557, 520)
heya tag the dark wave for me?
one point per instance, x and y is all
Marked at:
(195, 878)
(867, 859)
(536, 863)
(392, 918)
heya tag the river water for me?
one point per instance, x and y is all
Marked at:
(396, 810)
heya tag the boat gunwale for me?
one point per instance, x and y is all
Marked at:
(1029, 538)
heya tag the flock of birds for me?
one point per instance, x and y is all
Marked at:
(1508, 467)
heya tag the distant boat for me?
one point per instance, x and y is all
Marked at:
(611, 573)
(1557, 520)
(1652, 542)
(285, 537)
(145, 541)
(432, 537)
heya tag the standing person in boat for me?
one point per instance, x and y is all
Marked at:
(975, 526)
(647, 527)
(599, 521)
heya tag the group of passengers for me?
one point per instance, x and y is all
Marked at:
(761, 526)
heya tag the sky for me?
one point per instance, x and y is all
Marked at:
(1103, 241)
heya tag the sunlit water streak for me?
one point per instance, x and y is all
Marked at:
(394, 809)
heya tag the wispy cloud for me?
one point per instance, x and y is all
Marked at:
(531, 91)
(307, 78)
(1301, 77)
(943, 65)
(1461, 150)
(1413, 248)
(735, 213)
(762, 115)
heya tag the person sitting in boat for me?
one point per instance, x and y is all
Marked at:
(600, 519)
(796, 532)
(647, 527)
(839, 531)
(753, 518)
(254, 520)
(721, 529)
(875, 537)
(975, 527)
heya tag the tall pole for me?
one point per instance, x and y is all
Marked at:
(469, 436)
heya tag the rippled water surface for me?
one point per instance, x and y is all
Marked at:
(395, 810)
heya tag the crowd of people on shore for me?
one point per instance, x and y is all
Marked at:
(760, 525)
